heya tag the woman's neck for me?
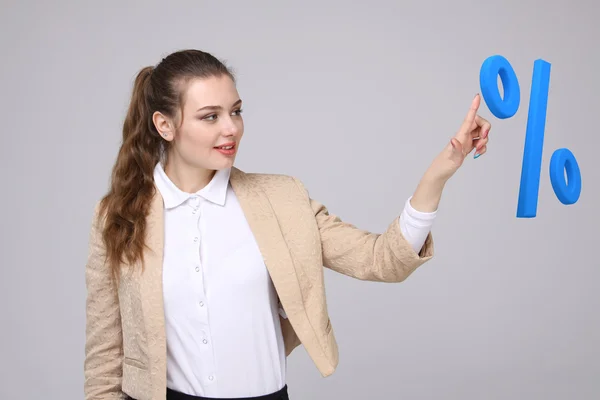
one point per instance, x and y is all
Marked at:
(188, 178)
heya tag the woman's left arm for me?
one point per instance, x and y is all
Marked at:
(390, 257)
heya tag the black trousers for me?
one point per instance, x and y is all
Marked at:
(174, 395)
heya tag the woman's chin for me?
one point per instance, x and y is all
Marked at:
(224, 164)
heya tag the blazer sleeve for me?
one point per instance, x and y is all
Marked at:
(360, 254)
(104, 342)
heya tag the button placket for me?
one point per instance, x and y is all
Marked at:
(195, 204)
(195, 210)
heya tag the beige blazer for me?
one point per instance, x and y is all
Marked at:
(125, 351)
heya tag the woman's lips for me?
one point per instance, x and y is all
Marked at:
(227, 149)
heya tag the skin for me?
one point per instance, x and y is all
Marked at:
(192, 158)
(473, 134)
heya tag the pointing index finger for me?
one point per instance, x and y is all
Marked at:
(470, 118)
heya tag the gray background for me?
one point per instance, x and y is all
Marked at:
(355, 100)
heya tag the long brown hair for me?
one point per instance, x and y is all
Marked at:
(161, 88)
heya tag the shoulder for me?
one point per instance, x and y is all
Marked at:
(273, 184)
(269, 181)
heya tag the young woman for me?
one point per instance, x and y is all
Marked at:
(202, 278)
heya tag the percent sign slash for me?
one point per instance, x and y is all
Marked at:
(567, 190)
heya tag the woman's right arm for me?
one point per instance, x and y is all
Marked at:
(104, 342)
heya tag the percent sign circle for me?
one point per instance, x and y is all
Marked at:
(567, 189)
(488, 77)
(567, 194)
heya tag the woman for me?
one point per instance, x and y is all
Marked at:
(201, 278)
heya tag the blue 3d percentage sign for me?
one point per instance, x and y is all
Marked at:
(567, 190)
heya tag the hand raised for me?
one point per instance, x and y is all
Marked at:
(472, 134)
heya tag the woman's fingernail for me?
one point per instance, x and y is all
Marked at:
(476, 155)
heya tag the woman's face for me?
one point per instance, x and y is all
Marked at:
(212, 127)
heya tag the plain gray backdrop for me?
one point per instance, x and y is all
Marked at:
(355, 99)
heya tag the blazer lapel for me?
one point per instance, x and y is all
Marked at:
(152, 295)
(267, 233)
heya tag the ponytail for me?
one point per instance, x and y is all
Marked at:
(127, 203)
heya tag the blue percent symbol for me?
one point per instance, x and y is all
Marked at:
(567, 189)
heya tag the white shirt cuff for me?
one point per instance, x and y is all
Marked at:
(415, 225)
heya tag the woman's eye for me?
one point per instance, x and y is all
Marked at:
(213, 117)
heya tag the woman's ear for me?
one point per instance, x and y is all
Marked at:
(163, 125)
